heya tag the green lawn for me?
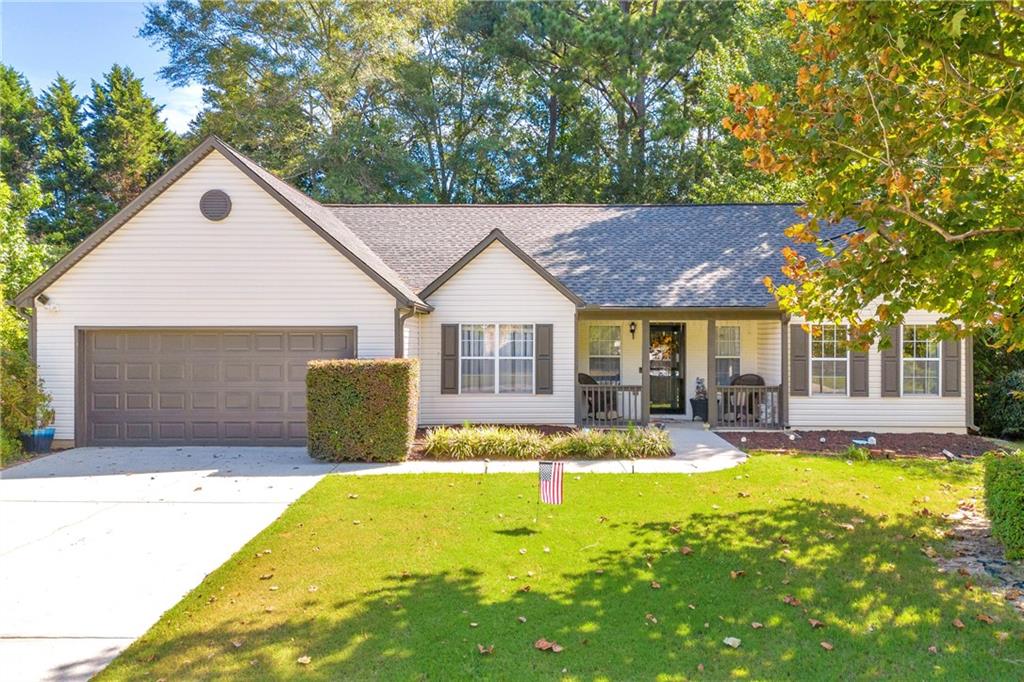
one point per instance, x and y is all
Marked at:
(435, 566)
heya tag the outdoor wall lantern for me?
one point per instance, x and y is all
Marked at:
(632, 330)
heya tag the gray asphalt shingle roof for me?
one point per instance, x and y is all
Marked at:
(646, 256)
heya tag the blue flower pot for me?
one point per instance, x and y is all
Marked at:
(38, 440)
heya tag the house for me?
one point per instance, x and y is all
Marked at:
(188, 318)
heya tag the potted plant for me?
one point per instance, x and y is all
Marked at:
(699, 401)
(40, 439)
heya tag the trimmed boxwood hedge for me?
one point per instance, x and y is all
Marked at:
(362, 410)
(1004, 499)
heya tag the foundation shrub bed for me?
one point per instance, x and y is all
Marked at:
(512, 442)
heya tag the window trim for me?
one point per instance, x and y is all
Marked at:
(810, 362)
(496, 358)
(903, 368)
(618, 357)
(739, 347)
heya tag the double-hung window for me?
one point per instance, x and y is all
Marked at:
(496, 358)
(829, 360)
(605, 349)
(921, 360)
(727, 354)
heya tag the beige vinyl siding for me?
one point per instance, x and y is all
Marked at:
(769, 351)
(170, 267)
(875, 413)
(497, 287)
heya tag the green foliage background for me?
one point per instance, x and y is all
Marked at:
(1004, 500)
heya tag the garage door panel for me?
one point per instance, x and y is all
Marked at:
(167, 387)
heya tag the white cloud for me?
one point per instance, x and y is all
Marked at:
(181, 105)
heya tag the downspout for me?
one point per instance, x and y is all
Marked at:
(400, 319)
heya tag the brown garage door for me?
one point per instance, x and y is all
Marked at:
(201, 386)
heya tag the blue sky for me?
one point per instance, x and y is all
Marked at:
(81, 40)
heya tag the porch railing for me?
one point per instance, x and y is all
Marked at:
(749, 407)
(609, 405)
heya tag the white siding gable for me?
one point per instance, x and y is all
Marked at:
(169, 266)
(498, 287)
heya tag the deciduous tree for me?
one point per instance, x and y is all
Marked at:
(912, 115)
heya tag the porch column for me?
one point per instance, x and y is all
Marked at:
(645, 371)
(712, 380)
(784, 383)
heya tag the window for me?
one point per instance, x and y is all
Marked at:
(921, 360)
(727, 354)
(828, 360)
(496, 358)
(605, 349)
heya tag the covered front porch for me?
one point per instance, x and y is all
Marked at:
(721, 366)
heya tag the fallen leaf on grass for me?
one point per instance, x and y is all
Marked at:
(985, 618)
(473, 625)
(700, 667)
(521, 619)
(743, 494)
(685, 550)
(737, 574)
(266, 576)
(524, 588)
(237, 643)
(756, 625)
(958, 624)
(544, 645)
(649, 617)
(933, 649)
(485, 650)
(827, 646)
(303, 660)
(522, 550)
(815, 623)
(674, 530)
(847, 526)
(734, 642)
(929, 552)
(791, 600)
(353, 496)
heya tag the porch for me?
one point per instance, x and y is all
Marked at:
(635, 366)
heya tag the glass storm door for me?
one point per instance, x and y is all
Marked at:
(667, 376)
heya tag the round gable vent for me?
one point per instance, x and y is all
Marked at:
(215, 205)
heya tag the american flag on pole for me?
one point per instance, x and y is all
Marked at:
(551, 482)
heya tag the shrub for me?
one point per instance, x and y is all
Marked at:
(499, 442)
(1003, 412)
(857, 454)
(24, 404)
(363, 410)
(511, 442)
(1004, 499)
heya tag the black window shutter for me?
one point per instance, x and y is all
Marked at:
(891, 360)
(799, 383)
(858, 374)
(449, 358)
(545, 354)
(951, 368)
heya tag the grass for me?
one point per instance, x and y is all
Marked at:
(435, 567)
(513, 442)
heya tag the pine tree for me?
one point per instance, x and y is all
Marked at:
(131, 145)
(65, 173)
(19, 127)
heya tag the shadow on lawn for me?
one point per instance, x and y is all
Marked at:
(882, 602)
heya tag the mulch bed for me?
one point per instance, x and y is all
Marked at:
(418, 452)
(889, 444)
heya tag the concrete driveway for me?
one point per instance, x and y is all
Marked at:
(96, 543)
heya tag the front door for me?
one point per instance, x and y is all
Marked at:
(667, 350)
